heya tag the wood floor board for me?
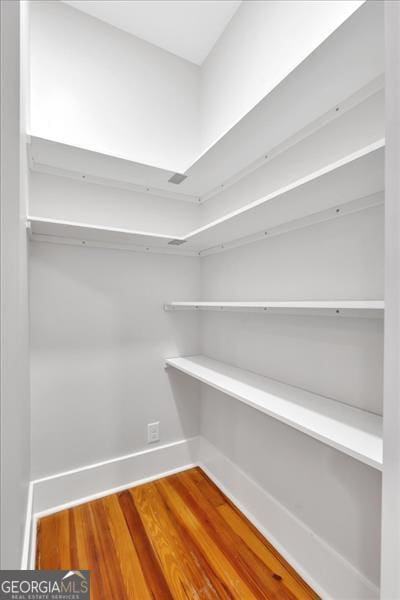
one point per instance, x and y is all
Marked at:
(110, 567)
(135, 582)
(252, 537)
(94, 555)
(184, 574)
(203, 535)
(177, 538)
(249, 567)
(193, 547)
(154, 576)
(80, 552)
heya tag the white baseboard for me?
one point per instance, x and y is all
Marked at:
(326, 571)
(28, 529)
(70, 488)
(65, 489)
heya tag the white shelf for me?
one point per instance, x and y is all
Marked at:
(350, 430)
(51, 156)
(348, 66)
(348, 61)
(70, 229)
(334, 308)
(54, 231)
(352, 183)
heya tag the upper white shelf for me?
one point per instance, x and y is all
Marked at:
(51, 156)
(350, 430)
(52, 230)
(345, 63)
(346, 308)
(352, 183)
(349, 60)
(353, 179)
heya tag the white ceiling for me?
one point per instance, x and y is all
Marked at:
(187, 28)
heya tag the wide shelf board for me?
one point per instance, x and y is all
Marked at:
(349, 60)
(353, 183)
(53, 157)
(357, 178)
(352, 431)
(50, 230)
(334, 308)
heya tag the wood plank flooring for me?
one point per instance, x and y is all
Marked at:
(175, 538)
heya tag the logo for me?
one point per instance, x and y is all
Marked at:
(44, 585)
(77, 573)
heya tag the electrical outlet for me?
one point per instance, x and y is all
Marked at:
(153, 432)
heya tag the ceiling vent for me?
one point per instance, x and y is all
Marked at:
(177, 178)
(176, 242)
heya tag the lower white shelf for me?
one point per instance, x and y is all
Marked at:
(346, 308)
(350, 430)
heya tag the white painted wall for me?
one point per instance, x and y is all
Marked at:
(339, 259)
(14, 407)
(390, 571)
(57, 197)
(100, 88)
(337, 497)
(262, 44)
(103, 89)
(99, 336)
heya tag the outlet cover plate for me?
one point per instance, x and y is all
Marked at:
(153, 432)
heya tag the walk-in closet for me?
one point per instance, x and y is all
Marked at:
(200, 297)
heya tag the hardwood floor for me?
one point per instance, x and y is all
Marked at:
(178, 537)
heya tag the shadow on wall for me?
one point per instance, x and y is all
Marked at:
(186, 398)
(306, 481)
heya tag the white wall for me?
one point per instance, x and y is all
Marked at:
(57, 197)
(390, 571)
(342, 358)
(14, 408)
(261, 45)
(100, 88)
(332, 494)
(103, 89)
(99, 336)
